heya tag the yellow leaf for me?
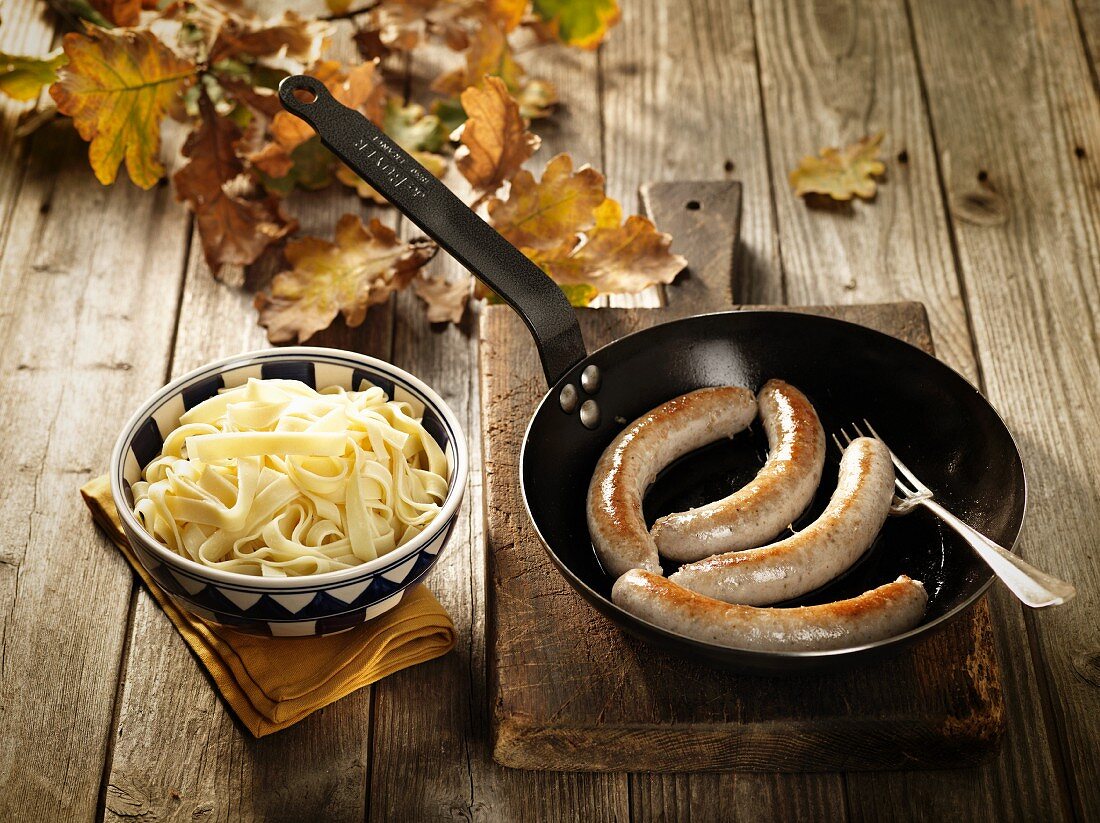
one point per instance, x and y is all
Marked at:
(362, 268)
(544, 215)
(434, 163)
(841, 173)
(581, 23)
(489, 55)
(495, 137)
(22, 78)
(580, 294)
(508, 13)
(616, 259)
(117, 88)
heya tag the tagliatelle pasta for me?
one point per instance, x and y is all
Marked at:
(277, 479)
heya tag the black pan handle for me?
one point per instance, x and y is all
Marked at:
(450, 222)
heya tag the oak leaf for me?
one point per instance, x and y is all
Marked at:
(118, 88)
(580, 23)
(841, 173)
(489, 54)
(616, 257)
(233, 226)
(22, 78)
(543, 215)
(509, 13)
(445, 299)
(289, 35)
(412, 128)
(362, 268)
(495, 139)
(119, 12)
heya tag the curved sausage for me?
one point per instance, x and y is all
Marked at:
(779, 493)
(815, 555)
(880, 613)
(634, 458)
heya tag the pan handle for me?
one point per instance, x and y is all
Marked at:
(450, 222)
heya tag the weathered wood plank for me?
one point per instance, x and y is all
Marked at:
(1025, 208)
(431, 758)
(219, 772)
(680, 102)
(27, 29)
(830, 74)
(89, 281)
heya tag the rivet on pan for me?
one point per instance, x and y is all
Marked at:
(590, 414)
(568, 398)
(590, 379)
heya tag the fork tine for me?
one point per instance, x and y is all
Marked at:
(901, 467)
(839, 446)
(859, 431)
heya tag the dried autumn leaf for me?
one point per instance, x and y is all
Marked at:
(841, 173)
(508, 13)
(581, 23)
(22, 78)
(489, 55)
(617, 257)
(290, 35)
(362, 268)
(119, 12)
(234, 228)
(546, 214)
(118, 88)
(412, 128)
(445, 299)
(495, 138)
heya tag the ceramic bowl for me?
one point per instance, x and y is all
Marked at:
(286, 606)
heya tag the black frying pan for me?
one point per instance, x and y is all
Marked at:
(936, 421)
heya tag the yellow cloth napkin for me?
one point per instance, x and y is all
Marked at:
(273, 682)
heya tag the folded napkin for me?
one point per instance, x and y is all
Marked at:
(273, 682)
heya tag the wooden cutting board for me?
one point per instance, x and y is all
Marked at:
(570, 691)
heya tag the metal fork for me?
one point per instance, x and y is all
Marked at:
(1035, 588)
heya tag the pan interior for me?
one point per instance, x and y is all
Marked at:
(934, 419)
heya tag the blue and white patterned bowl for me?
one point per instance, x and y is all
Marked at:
(291, 606)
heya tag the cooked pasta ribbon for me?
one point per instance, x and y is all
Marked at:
(274, 478)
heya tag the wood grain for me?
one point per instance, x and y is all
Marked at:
(1025, 205)
(431, 754)
(850, 70)
(86, 336)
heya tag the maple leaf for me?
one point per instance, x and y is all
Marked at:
(580, 23)
(22, 78)
(361, 269)
(495, 139)
(617, 257)
(543, 215)
(445, 299)
(233, 227)
(841, 173)
(118, 88)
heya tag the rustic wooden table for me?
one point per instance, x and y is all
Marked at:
(990, 216)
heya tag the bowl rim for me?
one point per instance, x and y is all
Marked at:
(313, 354)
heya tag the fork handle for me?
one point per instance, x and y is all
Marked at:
(1035, 588)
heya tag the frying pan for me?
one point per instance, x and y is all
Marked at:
(937, 422)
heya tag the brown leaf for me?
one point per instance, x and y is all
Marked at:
(446, 299)
(618, 257)
(117, 87)
(362, 268)
(234, 227)
(488, 55)
(120, 12)
(294, 36)
(495, 137)
(841, 173)
(544, 215)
